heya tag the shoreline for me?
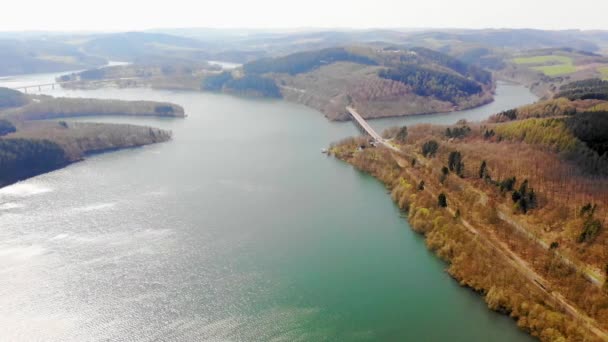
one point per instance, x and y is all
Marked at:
(346, 118)
(476, 258)
(492, 100)
(83, 158)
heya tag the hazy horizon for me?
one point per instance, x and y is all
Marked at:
(117, 15)
(287, 29)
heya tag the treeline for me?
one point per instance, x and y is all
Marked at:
(93, 74)
(6, 127)
(11, 98)
(583, 90)
(550, 133)
(592, 129)
(216, 82)
(427, 82)
(48, 107)
(543, 109)
(248, 84)
(305, 61)
(524, 198)
(457, 132)
(468, 70)
(582, 138)
(23, 158)
(572, 98)
(78, 139)
(150, 69)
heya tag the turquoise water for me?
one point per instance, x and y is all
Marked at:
(237, 230)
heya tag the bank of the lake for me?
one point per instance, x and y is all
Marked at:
(32, 145)
(237, 229)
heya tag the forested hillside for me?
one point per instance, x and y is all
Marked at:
(24, 158)
(11, 98)
(380, 81)
(517, 205)
(427, 82)
(305, 61)
(41, 56)
(44, 107)
(247, 85)
(594, 89)
(150, 47)
(29, 147)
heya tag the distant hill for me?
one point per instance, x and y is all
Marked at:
(131, 45)
(40, 56)
(381, 82)
(50, 51)
(455, 42)
(514, 38)
(546, 70)
(11, 98)
(143, 47)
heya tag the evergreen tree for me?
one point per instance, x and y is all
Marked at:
(430, 148)
(421, 186)
(455, 163)
(442, 200)
(483, 170)
(6, 127)
(402, 134)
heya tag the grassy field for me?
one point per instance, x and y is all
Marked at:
(543, 60)
(554, 70)
(604, 72)
(550, 65)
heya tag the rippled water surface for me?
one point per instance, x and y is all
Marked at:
(238, 229)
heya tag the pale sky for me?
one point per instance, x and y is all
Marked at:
(115, 15)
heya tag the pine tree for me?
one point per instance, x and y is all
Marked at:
(483, 170)
(442, 200)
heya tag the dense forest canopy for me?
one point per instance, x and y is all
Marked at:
(305, 61)
(216, 82)
(583, 90)
(248, 84)
(46, 107)
(265, 86)
(592, 129)
(574, 123)
(381, 79)
(6, 127)
(11, 98)
(457, 65)
(23, 158)
(93, 74)
(576, 97)
(427, 82)
(582, 138)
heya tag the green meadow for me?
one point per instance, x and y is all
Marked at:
(604, 72)
(550, 65)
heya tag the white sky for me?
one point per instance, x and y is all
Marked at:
(114, 15)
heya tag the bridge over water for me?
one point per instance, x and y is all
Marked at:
(368, 129)
(52, 85)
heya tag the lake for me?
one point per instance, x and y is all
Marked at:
(238, 229)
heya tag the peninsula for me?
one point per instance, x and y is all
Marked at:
(30, 144)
